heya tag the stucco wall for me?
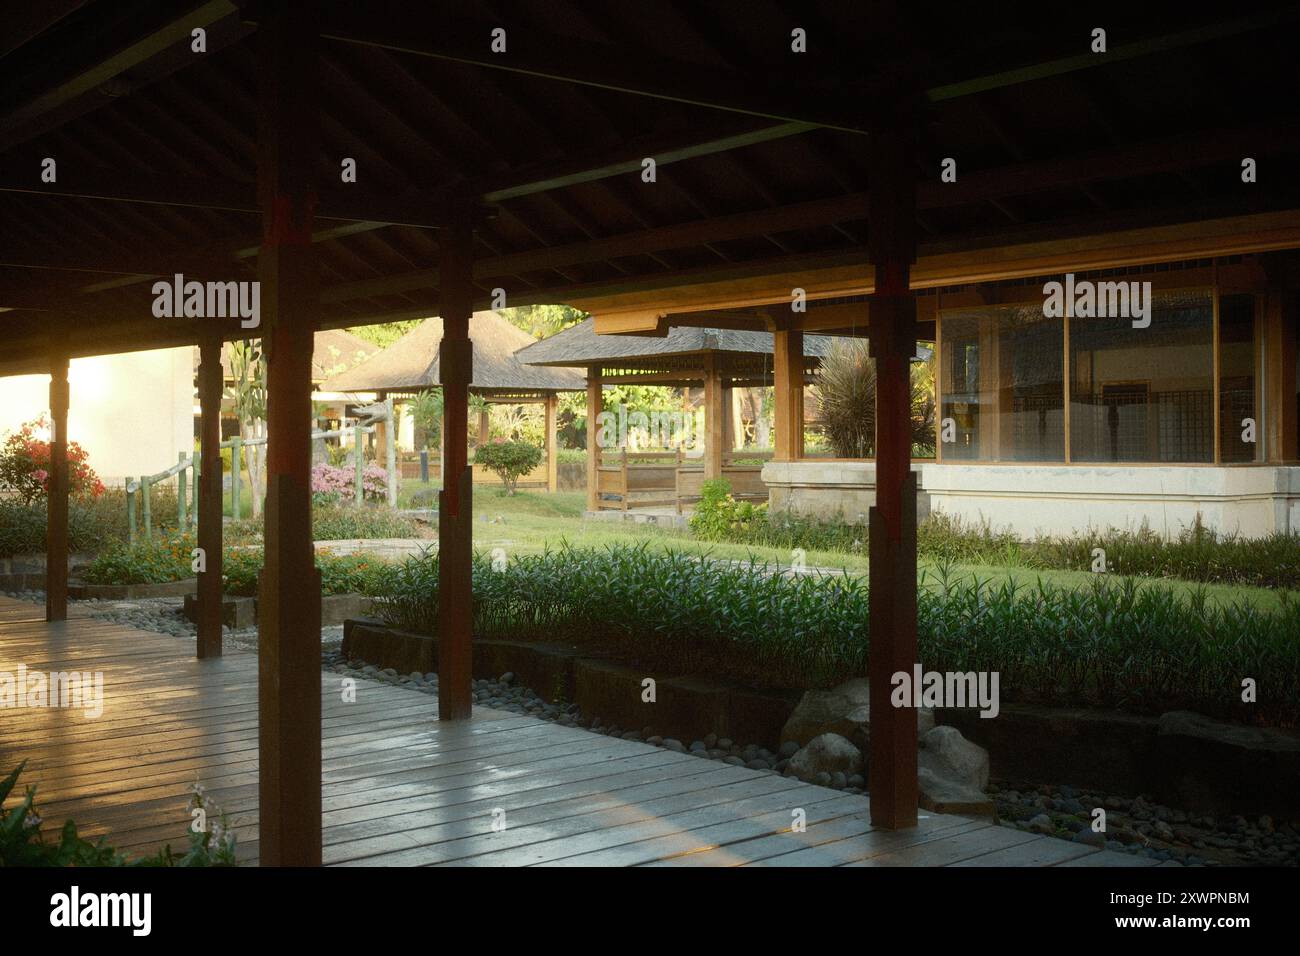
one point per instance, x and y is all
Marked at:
(132, 412)
(1055, 499)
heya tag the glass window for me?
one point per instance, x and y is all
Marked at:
(1238, 441)
(1144, 394)
(1002, 385)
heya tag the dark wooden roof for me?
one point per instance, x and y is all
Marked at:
(411, 363)
(762, 153)
(580, 345)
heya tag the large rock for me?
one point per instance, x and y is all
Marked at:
(947, 754)
(826, 753)
(842, 710)
(952, 773)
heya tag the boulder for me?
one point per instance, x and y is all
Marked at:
(948, 754)
(952, 773)
(828, 754)
(842, 710)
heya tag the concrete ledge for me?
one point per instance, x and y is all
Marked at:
(1183, 759)
(239, 613)
(121, 592)
(829, 488)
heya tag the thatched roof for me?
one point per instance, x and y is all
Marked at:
(412, 362)
(333, 351)
(581, 346)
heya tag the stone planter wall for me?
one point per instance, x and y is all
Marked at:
(829, 489)
(1182, 759)
(240, 613)
(123, 592)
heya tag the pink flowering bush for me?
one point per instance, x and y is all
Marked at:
(333, 483)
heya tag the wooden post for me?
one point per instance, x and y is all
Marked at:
(390, 451)
(236, 475)
(1280, 377)
(595, 405)
(787, 379)
(484, 426)
(146, 508)
(130, 512)
(456, 506)
(359, 462)
(181, 515)
(893, 761)
(289, 680)
(552, 471)
(714, 417)
(56, 523)
(207, 492)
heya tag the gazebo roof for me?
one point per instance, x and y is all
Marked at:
(333, 351)
(411, 362)
(581, 346)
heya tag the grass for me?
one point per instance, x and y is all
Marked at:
(530, 522)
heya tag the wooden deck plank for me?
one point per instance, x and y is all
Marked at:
(402, 788)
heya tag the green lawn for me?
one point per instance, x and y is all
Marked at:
(532, 521)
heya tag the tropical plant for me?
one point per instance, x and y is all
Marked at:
(846, 393)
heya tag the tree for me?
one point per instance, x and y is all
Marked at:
(511, 460)
(248, 368)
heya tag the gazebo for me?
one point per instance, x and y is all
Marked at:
(718, 359)
(411, 365)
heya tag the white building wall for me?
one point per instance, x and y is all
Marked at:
(131, 412)
(1249, 500)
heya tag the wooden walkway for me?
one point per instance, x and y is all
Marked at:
(400, 788)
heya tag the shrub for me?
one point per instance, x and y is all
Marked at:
(510, 460)
(25, 465)
(331, 484)
(166, 557)
(1113, 644)
(719, 516)
(340, 574)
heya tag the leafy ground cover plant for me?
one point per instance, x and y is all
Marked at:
(1113, 644)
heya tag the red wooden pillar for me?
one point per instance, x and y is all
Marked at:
(455, 501)
(892, 245)
(56, 515)
(787, 368)
(209, 497)
(289, 681)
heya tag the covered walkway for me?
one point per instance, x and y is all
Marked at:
(403, 788)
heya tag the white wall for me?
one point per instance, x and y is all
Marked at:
(132, 412)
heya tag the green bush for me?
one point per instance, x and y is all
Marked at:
(1113, 644)
(93, 523)
(511, 460)
(719, 517)
(340, 573)
(165, 557)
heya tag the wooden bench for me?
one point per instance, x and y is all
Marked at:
(746, 479)
(622, 475)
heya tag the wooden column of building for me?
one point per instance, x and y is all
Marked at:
(56, 514)
(892, 246)
(208, 494)
(714, 417)
(551, 405)
(787, 380)
(289, 700)
(1280, 375)
(595, 405)
(455, 501)
(484, 426)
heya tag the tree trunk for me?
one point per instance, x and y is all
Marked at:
(256, 461)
